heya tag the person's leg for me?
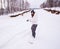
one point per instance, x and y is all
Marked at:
(33, 33)
(33, 28)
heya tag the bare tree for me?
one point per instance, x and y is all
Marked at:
(51, 3)
(10, 6)
(27, 5)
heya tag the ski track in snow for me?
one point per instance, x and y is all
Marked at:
(15, 32)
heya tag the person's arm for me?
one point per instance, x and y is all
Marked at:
(30, 20)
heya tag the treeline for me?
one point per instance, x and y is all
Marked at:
(51, 3)
(10, 6)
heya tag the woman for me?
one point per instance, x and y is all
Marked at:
(34, 23)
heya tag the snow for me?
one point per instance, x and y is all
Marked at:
(15, 33)
(56, 8)
(53, 8)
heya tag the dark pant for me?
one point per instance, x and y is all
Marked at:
(33, 28)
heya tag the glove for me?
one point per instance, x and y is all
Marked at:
(27, 20)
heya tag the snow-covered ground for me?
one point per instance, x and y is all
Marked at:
(15, 33)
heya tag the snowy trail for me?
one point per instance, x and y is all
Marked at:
(49, 31)
(11, 27)
(17, 32)
(18, 36)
